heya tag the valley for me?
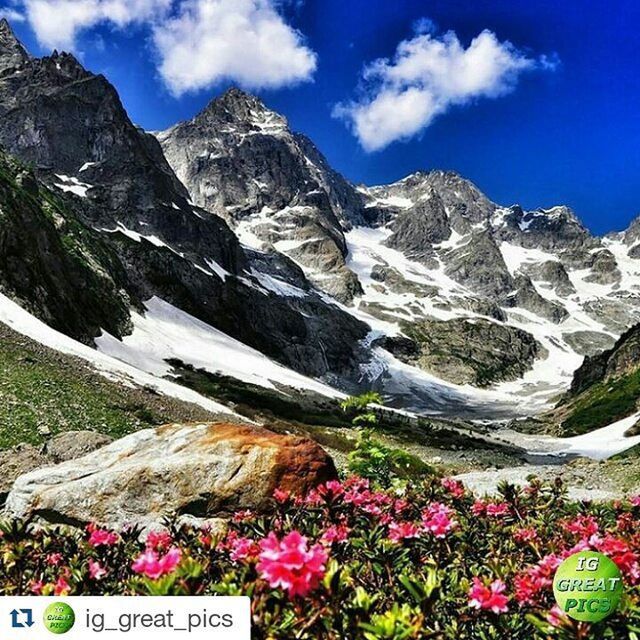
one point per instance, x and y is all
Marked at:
(224, 267)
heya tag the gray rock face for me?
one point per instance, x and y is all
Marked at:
(554, 273)
(479, 352)
(527, 297)
(417, 229)
(604, 269)
(620, 360)
(589, 343)
(12, 53)
(239, 160)
(548, 229)
(396, 282)
(479, 265)
(465, 203)
(198, 470)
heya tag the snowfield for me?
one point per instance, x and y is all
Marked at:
(21, 321)
(549, 376)
(165, 332)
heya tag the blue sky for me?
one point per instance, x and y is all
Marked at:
(555, 120)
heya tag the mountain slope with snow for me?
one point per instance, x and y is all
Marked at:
(230, 244)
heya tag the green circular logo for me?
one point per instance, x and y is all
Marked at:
(588, 586)
(59, 617)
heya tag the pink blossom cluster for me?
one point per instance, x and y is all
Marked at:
(291, 564)
(488, 597)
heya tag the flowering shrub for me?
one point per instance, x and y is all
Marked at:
(350, 560)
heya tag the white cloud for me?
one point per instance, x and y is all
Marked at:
(12, 15)
(198, 42)
(426, 77)
(58, 22)
(245, 41)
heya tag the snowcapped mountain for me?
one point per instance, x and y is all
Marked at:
(228, 243)
(239, 160)
(457, 289)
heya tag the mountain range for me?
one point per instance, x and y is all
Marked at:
(229, 245)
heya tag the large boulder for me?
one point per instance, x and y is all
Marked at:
(199, 470)
(24, 458)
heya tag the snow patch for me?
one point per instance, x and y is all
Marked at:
(24, 323)
(165, 332)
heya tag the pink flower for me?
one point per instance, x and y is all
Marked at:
(399, 531)
(536, 578)
(400, 506)
(635, 501)
(454, 487)
(244, 549)
(527, 588)
(159, 540)
(54, 559)
(621, 554)
(582, 526)
(154, 566)
(525, 534)
(489, 598)
(331, 490)
(556, 617)
(281, 496)
(437, 518)
(36, 587)
(103, 537)
(479, 508)
(335, 533)
(313, 498)
(241, 516)
(61, 587)
(96, 571)
(497, 509)
(290, 564)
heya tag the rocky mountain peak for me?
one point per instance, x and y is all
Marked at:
(12, 53)
(239, 108)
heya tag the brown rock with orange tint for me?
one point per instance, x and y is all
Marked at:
(199, 470)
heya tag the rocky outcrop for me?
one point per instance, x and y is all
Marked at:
(199, 470)
(604, 269)
(418, 228)
(393, 279)
(12, 53)
(465, 204)
(526, 296)
(588, 343)
(622, 359)
(479, 265)
(553, 273)
(549, 229)
(477, 352)
(59, 268)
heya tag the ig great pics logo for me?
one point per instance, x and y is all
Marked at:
(588, 586)
(59, 617)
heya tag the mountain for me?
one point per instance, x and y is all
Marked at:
(241, 161)
(431, 248)
(228, 246)
(70, 126)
